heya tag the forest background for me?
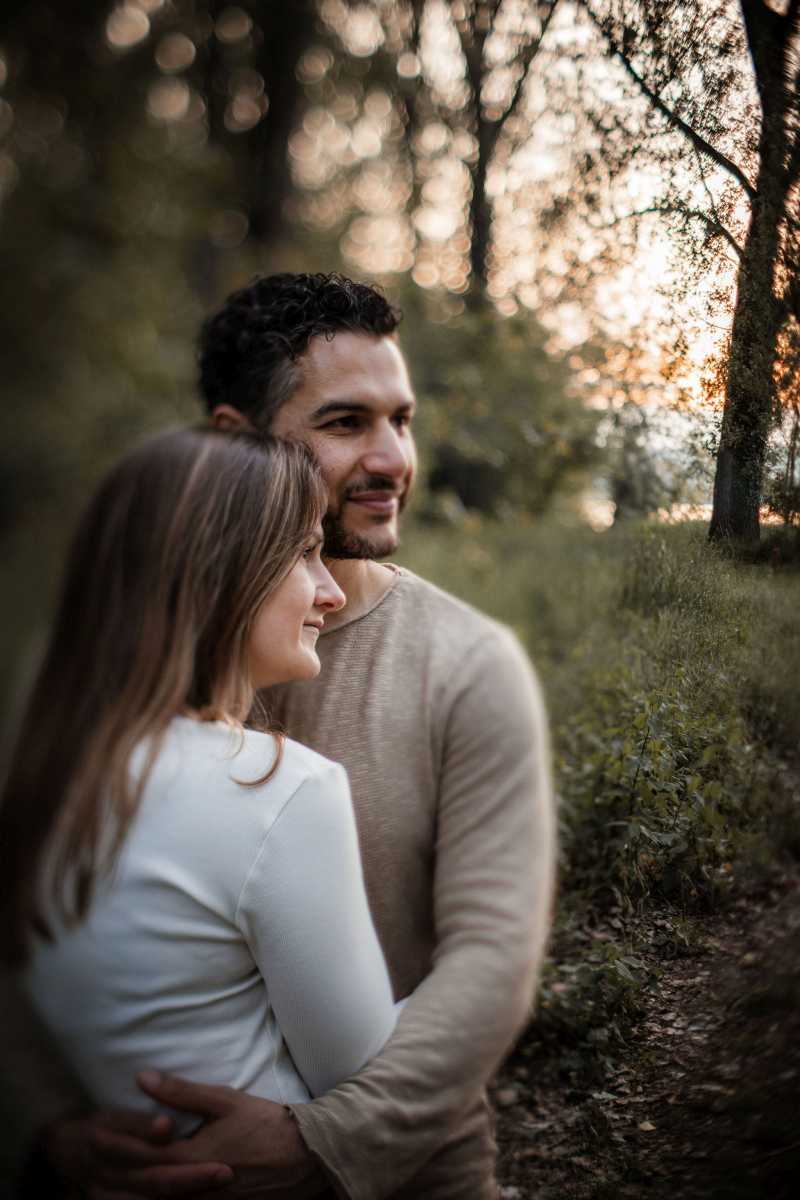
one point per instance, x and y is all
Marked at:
(588, 211)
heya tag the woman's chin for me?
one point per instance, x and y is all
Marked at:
(312, 669)
(309, 668)
(294, 672)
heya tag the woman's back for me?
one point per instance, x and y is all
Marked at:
(235, 918)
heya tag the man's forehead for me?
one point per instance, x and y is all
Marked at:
(351, 346)
(349, 363)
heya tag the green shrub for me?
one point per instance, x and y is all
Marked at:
(670, 673)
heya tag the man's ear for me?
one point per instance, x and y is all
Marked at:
(226, 417)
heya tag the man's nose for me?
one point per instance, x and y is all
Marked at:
(389, 452)
(328, 595)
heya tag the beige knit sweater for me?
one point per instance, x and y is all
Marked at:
(435, 713)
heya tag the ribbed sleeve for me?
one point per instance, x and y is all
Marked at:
(304, 914)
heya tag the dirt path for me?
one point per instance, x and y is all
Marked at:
(704, 1101)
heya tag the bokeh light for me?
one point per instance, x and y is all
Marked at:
(127, 26)
(175, 52)
(233, 25)
(228, 229)
(169, 100)
(314, 64)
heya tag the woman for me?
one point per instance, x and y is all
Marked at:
(182, 890)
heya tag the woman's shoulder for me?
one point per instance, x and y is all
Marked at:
(216, 784)
(238, 758)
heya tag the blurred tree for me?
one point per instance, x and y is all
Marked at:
(432, 89)
(247, 74)
(140, 141)
(491, 107)
(646, 470)
(408, 105)
(727, 146)
(502, 426)
(782, 490)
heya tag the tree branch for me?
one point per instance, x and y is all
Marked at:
(677, 122)
(409, 89)
(713, 205)
(714, 226)
(793, 169)
(528, 54)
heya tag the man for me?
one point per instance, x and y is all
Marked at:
(433, 710)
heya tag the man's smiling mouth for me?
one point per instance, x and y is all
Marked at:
(382, 502)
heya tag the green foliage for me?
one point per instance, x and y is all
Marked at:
(497, 411)
(593, 998)
(670, 673)
(664, 783)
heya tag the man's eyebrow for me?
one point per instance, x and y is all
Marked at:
(353, 406)
(338, 406)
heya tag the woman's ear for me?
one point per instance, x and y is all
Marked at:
(226, 417)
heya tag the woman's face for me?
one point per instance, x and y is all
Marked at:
(283, 639)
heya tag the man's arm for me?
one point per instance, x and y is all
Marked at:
(493, 897)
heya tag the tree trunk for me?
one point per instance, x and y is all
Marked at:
(750, 388)
(789, 500)
(480, 210)
(259, 156)
(288, 29)
(757, 318)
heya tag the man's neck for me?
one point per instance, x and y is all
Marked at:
(363, 582)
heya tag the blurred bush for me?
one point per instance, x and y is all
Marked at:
(670, 673)
(503, 426)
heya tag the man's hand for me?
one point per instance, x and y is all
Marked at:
(257, 1138)
(105, 1153)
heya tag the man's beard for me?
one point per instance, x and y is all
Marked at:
(343, 543)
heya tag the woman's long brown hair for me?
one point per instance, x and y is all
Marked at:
(182, 543)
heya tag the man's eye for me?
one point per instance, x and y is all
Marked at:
(402, 420)
(343, 423)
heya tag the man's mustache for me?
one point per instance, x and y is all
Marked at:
(373, 483)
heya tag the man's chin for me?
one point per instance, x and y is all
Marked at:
(345, 543)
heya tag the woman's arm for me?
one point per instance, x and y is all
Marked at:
(304, 913)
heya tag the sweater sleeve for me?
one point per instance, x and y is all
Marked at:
(493, 884)
(304, 912)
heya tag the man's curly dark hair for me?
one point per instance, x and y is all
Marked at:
(250, 350)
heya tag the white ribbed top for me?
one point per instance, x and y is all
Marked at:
(234, 944)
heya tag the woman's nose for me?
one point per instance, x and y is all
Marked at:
(329, 596)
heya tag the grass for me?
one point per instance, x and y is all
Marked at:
(670, 672)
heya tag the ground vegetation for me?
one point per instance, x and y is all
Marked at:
(656, 1059)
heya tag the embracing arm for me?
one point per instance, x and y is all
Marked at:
(492, 897)
(304, 912)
